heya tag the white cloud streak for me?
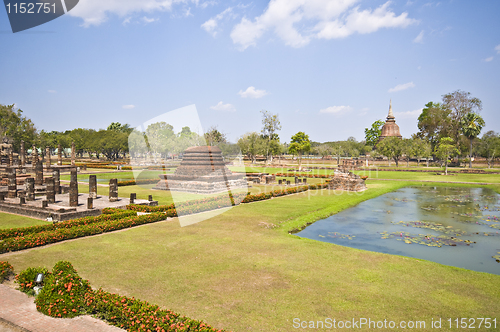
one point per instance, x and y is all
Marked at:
(128, 107)
(335, 109)
(488, 59)
(420, 38)
(211, 25)
(223, 107)
(322, 19)
(497, 48)
(52, 91)
(95, 12)
(251, 92)
(408, 114)
(402, 87)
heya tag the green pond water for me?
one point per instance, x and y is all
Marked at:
(448, 225)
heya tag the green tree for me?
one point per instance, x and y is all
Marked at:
(17, 127)
(445, 150)
(420, 148)
(299, 144)
(251, 145)
(407, 146)
(434, 123)
(372, 134)
(471, 124)
(270, 125)
(392, 148)
(214, 137)
(489, 147)
(137, 143)
(117, 126)
(160, 136)
(323, 150)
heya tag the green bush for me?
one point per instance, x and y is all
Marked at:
(5, 270)
(64, 292)
(26, 279)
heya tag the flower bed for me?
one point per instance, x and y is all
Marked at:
(62, 234)
(108, 214)
(5, 270)
(65, 294)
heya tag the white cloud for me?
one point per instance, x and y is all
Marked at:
(488, 59)
(420, 38)
(497, 48)
(251, 92)
(208, 3)
(401, 87)
(210, 26)
(126, 21)
(297, 22)
(52, 91)
(149, 20)
(223, 107)
(336, 109)
(95, 12)
(128, 107)
(408, 114)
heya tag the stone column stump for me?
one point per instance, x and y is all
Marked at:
(51, 193)
(30, 189)
(23, 155)
(73, 188)
(38, 172)
(93, 186)
(57, 181)
(12, 185)
(90, 203)
(47, 157)
(59, 155)
(113, 190)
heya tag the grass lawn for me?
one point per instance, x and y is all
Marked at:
(242, 271)
(8, 220)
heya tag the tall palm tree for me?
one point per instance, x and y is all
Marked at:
(471, 124)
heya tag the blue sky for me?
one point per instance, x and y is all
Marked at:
(328, 68)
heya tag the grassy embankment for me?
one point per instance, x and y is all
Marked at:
(236, 271)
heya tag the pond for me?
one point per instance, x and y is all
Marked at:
(454, 226)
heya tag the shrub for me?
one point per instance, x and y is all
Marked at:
(5, 270)
(64, 292)
(26, 279)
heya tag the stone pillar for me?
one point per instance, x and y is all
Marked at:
(90, 203)
(93, 186)
(133, 197)
(38, 173)
(2, 197)
(9, 158)
(296, 180)
(51, 193)
(12, 185)
(113, 190)
(280, 182)
(30, 188)
(59, 155)
(73, 154)
(45, 203)
(57, 181)
(304, 180)
(23, 154)
(22, 198)
(287, 182)
(34, 156)
(47, 157)
(73, 188)
(150, 198)
(268, 179)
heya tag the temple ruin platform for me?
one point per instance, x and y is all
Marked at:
(202, 171)
(61, 210)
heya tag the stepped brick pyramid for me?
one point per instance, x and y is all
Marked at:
(202, 171)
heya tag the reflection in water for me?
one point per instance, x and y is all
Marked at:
(453, 226)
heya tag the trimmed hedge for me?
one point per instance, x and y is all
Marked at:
(304, 175)
(137, 182)
(108, 214)
(65, 295)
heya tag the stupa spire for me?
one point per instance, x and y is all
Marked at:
(391, 115)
